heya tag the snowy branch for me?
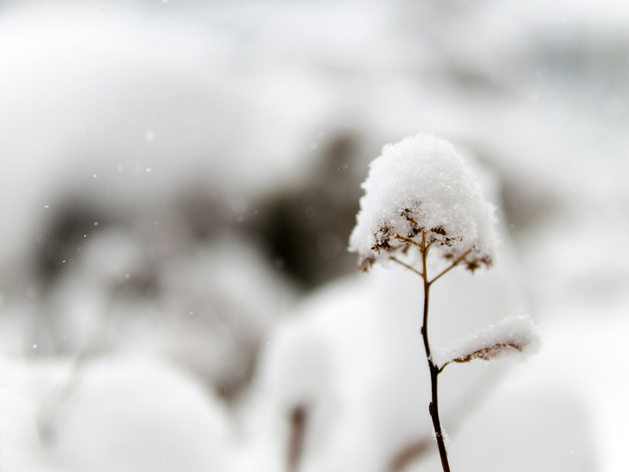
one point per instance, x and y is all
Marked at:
(515, 337)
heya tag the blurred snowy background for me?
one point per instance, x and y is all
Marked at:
(179, 180)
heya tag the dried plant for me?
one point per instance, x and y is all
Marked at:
(422, 199)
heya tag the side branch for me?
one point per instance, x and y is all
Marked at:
(409, 241)
(395, 259)
(454, 264)
(487, 353)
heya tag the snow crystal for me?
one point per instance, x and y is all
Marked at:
(516, 336)
(446, 437)
(422, 184)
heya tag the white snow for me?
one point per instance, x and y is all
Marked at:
(423, 180)
(516, 336)
(142, 110)
(144, 414)
(126, 413)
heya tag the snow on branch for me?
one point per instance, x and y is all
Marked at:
(420, 188)
(515, 336)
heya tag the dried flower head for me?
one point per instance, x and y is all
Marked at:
(420, 188)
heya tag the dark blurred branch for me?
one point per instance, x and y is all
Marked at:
(409, 454)
(298, 423)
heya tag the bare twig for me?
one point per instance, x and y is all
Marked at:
(433, 408)
(408, 454)
(454, 264)
(395, 259)
(409, 241)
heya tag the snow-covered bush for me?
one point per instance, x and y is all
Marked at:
(421, 195)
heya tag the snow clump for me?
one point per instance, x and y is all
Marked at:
(516, 336)
(422, 187)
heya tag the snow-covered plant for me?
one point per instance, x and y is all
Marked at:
(421, 197)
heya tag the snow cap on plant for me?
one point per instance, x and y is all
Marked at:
(420, 188)
(516, 337)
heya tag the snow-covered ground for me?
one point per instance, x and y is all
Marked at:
(179, 181)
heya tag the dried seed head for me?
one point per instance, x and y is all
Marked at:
(422, 187)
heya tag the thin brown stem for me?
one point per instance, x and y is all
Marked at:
(408, 240)
(434, 369)
(395, 259)
(433, 408)
(454, 264)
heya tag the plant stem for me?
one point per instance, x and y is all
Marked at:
(433, 408)
(395, 259)
(454, 264)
